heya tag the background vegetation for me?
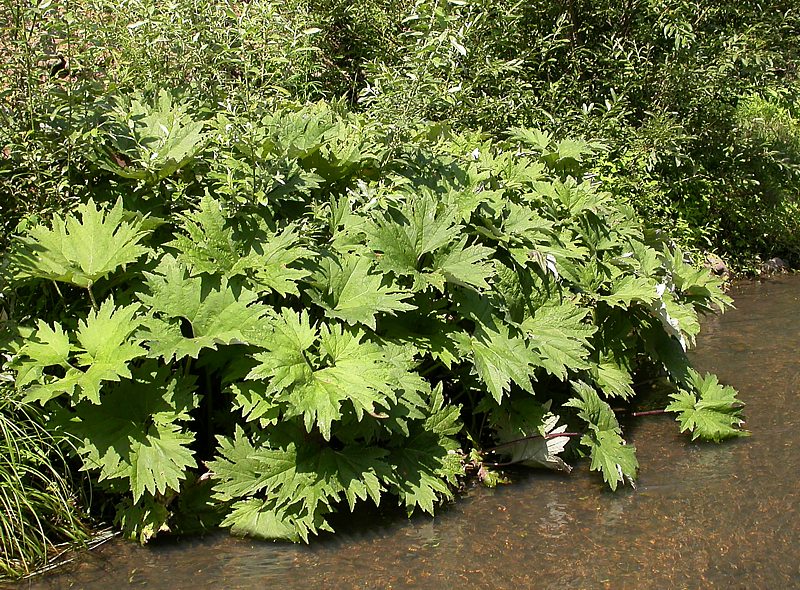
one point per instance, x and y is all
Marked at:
(477, 166)
(697, 102)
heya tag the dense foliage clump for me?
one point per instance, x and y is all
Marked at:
(328, 314)
(262, 262)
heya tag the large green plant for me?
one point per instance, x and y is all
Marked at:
(350, 316)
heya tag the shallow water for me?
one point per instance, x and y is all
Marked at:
(703, 515)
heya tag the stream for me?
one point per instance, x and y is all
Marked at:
(702, 516)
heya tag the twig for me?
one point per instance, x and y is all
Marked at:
(649, 413)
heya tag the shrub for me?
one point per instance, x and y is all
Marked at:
(334, 312)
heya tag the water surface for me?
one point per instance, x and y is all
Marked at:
(703, 515)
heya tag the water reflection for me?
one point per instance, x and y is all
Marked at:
(555, 522)
(424, 535)
(703, 515)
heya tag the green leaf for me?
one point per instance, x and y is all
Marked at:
(709, 410)
(526, 227)
(425, 466)
(428, 333)
(415, 473)
(133, 434)
(44, 348)
(613, 379)
(628, 289)
(105, 342)
(664, 348)
(443, 419)
(262, 520)
(358, 471)
(242, 469)
(678, 319)
(213, 245)
(316, 384)
(609, 452)
(612, 456)
(696, 285)
(106, 348)
(159, 460)
(255, 402)
(356, 371)
(156, 140)
(535, 138)
(277, 262)
(208, 245)
(79, 252)
(285, 363)
(573, 149)
(467, 198)
(569, 198)
(419, 228)
(288, 490)
(141, 521)
(348, 290)
(560, 335)
(465, 266)
(593, 410)
(500, 358)
(216, 312)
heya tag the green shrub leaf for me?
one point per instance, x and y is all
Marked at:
(80, 251)
(105, 346)
(134, 433)
(609, 452)
(708, 410)
(350, 291)
(216, 312)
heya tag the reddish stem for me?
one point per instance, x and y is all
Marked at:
(648, 413)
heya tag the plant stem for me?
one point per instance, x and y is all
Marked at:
(187, 366)
(428, 370)
(209, 399)
(638, 414)
(649, 413)
(91, 296)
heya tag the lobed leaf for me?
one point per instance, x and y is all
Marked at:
(609, 452)
(560, 335)
(348, 289)
(216, 313)
(105, 348)
(708, 410)
(134, 433)
(80, 252)
(501, 358)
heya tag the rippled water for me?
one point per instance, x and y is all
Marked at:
(703, 515)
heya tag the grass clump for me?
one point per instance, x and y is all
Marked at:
(39, 506)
